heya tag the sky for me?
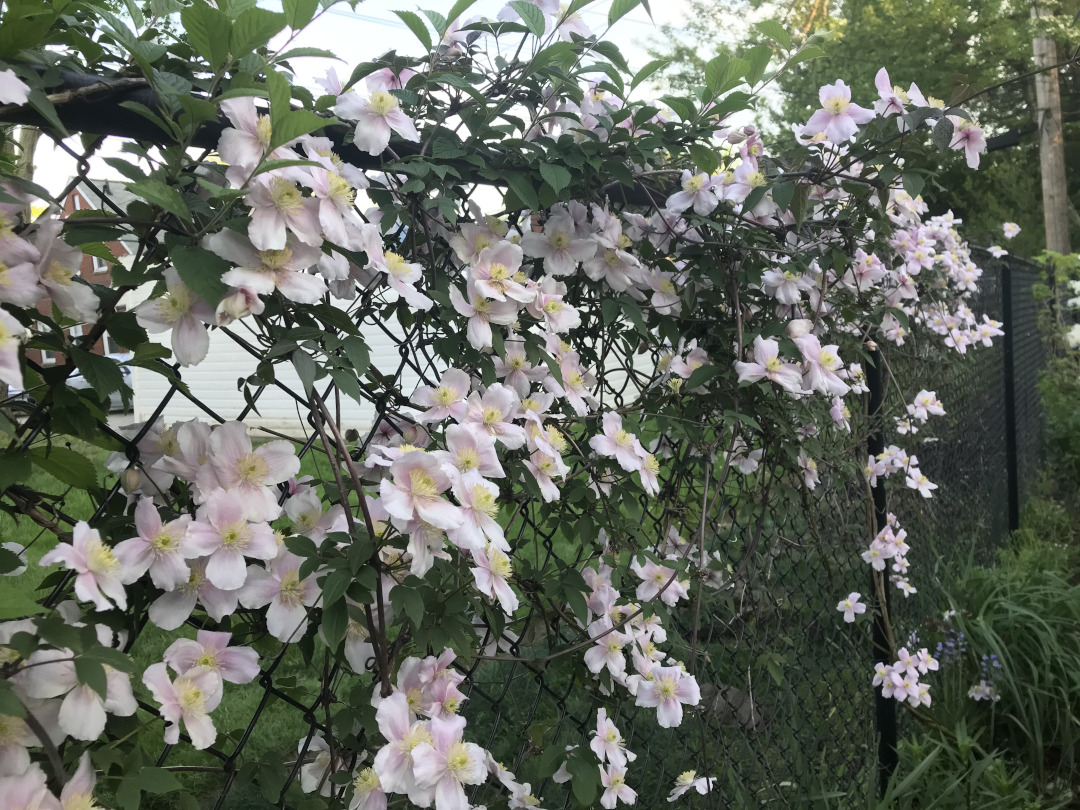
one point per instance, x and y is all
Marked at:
(372, 30)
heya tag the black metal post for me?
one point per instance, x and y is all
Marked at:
(884, 708)
(1012, 472)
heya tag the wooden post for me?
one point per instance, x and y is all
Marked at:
(1051, 144)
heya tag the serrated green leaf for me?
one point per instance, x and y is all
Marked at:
(704, 157)
(66, 466)
(40, 102)
(620, 8)
(296, 124)
(358, 354)
(91, 673)
(942, 134)
(407, 602)
(647, 71)
(298, 13)
(523, 189)
(417, 26)
(253, 29)
(14, 467)
(335, 621)
(305, 369)
(558, 177)
(208, 31)
(459, 8)
(531, 15)
(201, 271)
(101, 372)
(782, 194)
(16, 605)
(159, 193)
(758, 57)
(774, 31)
(714, 72)
(700, 376)
(913, 183)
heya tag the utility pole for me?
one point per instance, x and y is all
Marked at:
(1051, 143)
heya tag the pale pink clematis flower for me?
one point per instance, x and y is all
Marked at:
(659, 580)
(251, 472)
(851, 606)
(613, 778)
(576, 384)
(394, 761)
(389, 79)
(785, 286)
(221, 531)
(305, 510)
(516, 370)
(184, 314)
(471, 454)
(917, 481)
(58, 269)
(78, 791)
(558, 247)
(618, 443)
(822, 363)
(767, 365)
(28, 790)
(496, 273)
(969, 137)
(608, 743)
(51, 674)
(549, 306)
(191, 698)
(13, 90)
(446, 400)
(172, 609)
(494, 412)
(10, 333)
(246, 143)
(99, 573)
(368, 793)
(414, 490)
(376, 117)
(211, 649)
(263, 271)
(697, 192)
(891, 100)
(279, 586)
(1010, 229)
(669, 689)
(689, 780)
(445, 764)
(479, 506)
(838, 118)
(492, 567)
(156, 549)
(278, 207)
(481, 312)
(607, 650)
(401, 277)
(544, 469)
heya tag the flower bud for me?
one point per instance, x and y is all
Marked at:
(238, 304)
(352, 435)
(129, 480)
(799, 327)
(871, 345)
(735, 137)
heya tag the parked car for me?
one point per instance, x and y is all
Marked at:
(77, 380)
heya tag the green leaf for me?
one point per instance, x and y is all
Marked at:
(782, 194)
(136, 14)
(406, 601)
(305, 369)
(15, 605)
(456, 10)
(114, 658)
(586, 777)
(91, 673)
(156, 780)
(101, 372)
(40, 102)
(759, 57)
(619, 9)
(9, 561)
(682, 107)
(417, 26)
(335, 622)
(10, 705)
(701, 375)
(714, 72)
(66, 466)
(298, 13)
(357, 352)
(297, 53)
(913, 183)
(942, 134)
(805, 54)
(648, 70)
(523, 189)
(201, 271)
(14, 468)
(704, 157)
(159, 193)
(774, 31)
(253, 29)
(531, 15)
(558, 177)
(208, 31)
(799, 203)
(296, 124)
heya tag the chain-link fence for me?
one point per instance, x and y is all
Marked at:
(787, 712)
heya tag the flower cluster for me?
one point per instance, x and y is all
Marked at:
(900, 680)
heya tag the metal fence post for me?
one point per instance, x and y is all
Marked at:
(1012, 472)
(884, 708)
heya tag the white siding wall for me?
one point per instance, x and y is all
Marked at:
(214, 382)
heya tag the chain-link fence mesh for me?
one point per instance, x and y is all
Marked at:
(787, 712)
